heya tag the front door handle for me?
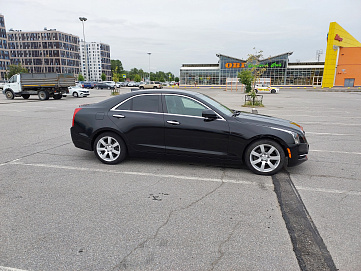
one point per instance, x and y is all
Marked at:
(173, 122)
(119, 116)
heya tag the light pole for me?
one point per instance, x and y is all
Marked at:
(83, 19)
(149, 65)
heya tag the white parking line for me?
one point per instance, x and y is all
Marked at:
(3, 268)
(333, 134)
(331, 191)
(341, 152)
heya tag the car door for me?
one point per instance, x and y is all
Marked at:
(187, 132)
(141, 121)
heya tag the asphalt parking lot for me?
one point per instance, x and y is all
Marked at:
(61, 209)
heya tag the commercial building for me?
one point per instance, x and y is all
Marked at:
(4, 52)
(342, 66)
(98, 58)
(277, 68)
(44, 51)
(343, 60)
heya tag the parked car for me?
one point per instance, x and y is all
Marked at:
(101, 85)
(262, 88)
(176, 122)
(88, 85)
(2, 83)
(78, 92)
(151, 84)
(109, 83)
(131, 84)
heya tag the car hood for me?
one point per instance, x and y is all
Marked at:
(268, 121)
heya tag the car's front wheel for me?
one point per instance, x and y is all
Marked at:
(265, 157)
(110, 148)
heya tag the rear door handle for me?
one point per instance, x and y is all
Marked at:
(119, 116)
(173, 122)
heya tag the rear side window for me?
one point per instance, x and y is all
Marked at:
(145, 103)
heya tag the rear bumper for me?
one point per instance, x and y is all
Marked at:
(80, 141)
(298, 154)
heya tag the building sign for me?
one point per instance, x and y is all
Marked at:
(337, 37)
(243, 65)
(273, 65)
(235, 65)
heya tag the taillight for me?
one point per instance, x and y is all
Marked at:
(75, 111)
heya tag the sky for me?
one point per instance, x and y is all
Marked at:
(190, 31)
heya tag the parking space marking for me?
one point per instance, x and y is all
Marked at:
(333, 134)
(3, 268)
(340, 152)
(322, 190)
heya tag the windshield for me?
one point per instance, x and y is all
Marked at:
(224, 109)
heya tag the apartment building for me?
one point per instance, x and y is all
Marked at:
(44, 51)
(4, 52)
(98, 59)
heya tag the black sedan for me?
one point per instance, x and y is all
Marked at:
(187, 123)
(101, 85)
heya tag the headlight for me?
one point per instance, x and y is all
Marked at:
(296, 138)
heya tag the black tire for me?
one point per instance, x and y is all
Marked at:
(273, 91)
(256, 90)
(110, 148)
(9, 94)
(26, 96)
(265, 157)
(75, 94)
(141, 87)
(43, 95)
(58, 96)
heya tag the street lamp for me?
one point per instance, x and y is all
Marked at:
(149, 65)
(83, 19)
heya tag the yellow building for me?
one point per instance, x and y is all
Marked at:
(337, 38)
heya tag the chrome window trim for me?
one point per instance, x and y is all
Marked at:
(132, 97)
(180, 115)
(162, 113)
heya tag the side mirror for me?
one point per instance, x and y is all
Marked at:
(209, 115)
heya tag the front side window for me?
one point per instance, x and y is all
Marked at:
(181, 105)
(144, 103)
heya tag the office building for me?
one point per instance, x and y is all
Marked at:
(44, 51)
(98, 58)
(4, 52)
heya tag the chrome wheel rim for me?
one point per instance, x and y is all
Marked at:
(108, 148)
(265, 158)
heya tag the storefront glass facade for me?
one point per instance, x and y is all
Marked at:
(277, 68)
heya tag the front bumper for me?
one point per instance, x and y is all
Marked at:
(297, 154)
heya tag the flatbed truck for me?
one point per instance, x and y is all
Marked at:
(45, 85)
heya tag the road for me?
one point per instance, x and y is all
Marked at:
(61, 209)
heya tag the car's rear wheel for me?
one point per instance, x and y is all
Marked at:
(265, 157)
(75, 94)
(110, 148)
(273, 91)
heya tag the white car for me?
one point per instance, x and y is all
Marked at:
(78, 92)
(266, 88)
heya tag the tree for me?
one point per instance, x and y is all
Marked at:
(80, 77)
(137, 78)
(116, 63)
(14, 69)
(176, 79)
(253, 62)
(104, 77)
(246, 78)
